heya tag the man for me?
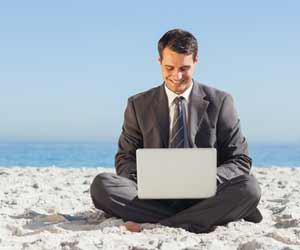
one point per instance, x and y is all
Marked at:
(209, 120)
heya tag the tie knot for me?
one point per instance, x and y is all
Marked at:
(178, 99)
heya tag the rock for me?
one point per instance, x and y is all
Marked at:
(25, 245)
(69, 244)
(250, 245)
(13, 202)
(277, 210)
(287, 223)
(281, 238)
(16, 231)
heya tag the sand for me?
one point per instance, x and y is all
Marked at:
(50, 208)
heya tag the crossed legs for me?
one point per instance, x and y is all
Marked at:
(235, 199)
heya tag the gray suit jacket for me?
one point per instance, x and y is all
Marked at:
(213, 123)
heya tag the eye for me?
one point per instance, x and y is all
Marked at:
(169, 68)
(185, 68)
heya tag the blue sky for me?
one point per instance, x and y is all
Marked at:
(68, 67)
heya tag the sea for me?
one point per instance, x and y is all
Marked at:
(101, 154)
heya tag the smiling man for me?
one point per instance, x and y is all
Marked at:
(177, 70)
(209, 121)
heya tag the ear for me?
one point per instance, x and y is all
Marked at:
(159, 60)
(196, 59)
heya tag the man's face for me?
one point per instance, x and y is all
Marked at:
(177, 70)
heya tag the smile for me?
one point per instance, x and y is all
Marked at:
(177, 82)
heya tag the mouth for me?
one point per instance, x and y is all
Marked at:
(177, 82)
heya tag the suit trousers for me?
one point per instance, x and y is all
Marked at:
(235, 199)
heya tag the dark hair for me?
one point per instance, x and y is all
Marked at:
(179, 41)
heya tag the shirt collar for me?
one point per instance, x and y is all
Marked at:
(171, 95)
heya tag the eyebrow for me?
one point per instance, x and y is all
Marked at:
(184, 66)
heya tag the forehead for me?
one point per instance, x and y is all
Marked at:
(170, 57)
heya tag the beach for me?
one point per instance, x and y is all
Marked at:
(50, 208)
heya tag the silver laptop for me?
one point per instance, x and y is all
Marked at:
(179, 173)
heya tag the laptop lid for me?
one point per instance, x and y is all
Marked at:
(176, 173)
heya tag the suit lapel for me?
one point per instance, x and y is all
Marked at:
(197, 109)
(160, 111)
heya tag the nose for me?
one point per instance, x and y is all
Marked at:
(177, 76)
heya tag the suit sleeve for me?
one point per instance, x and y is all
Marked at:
(130, 140)
(233, 159)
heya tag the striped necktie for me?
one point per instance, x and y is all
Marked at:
(179, 138)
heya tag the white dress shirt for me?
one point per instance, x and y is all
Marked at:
(171, 97)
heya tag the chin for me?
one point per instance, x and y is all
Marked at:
(180, 89)
(175, 88)
(178, 92)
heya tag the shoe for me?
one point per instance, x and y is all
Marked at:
(254, 217)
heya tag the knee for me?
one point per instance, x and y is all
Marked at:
(98, 191)
(98, 184)
(251, 189)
